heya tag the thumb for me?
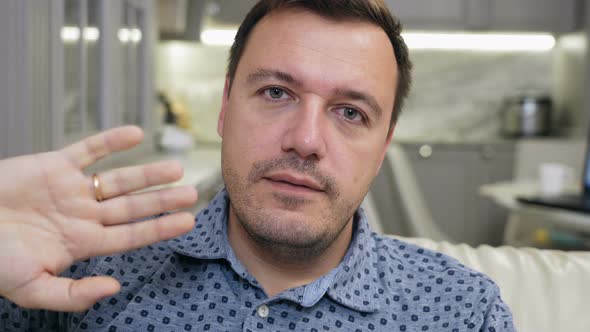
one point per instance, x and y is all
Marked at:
(65, 294)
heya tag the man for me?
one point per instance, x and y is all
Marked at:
(313, 92)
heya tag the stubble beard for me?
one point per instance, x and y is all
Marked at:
(288, 240)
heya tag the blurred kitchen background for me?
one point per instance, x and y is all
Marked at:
(500, 87)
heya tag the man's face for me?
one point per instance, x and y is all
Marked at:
(305, 127)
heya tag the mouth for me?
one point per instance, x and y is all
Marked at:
(294, 183)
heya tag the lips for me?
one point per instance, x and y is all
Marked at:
(294, 180)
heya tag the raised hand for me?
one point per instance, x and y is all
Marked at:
(50, 218)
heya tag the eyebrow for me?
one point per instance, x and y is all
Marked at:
(265, 74)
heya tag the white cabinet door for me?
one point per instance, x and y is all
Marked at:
(450, 179)
(430, 14)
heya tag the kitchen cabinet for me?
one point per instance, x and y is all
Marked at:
(107, 65)
(533, 15)
(498, 15)
(81, 57)
(449, 177)
(429, 14)
(73, 68)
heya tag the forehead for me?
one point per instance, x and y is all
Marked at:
(323, 53)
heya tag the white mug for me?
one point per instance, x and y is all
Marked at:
(554, 178)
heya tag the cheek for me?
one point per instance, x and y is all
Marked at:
(247, 139)
(355, 163)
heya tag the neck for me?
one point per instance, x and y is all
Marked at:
(277, 273)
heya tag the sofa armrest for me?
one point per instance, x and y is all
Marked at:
(547, 290)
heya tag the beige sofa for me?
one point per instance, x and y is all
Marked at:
(547, 290)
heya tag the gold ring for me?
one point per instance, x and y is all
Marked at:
(97, 188)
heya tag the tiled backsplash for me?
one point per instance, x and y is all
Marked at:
(455, 94)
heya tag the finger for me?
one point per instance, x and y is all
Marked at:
(131, 207)
(91, 149)
(126, 237)
(66, 295)
(125, 180)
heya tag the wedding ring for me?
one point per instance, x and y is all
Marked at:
(97, 189)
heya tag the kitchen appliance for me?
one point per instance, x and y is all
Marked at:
(526, 115)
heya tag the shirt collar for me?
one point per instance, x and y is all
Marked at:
(208, 239)
(355, 283)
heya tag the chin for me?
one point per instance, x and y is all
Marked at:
(273, 222)
(297, 232)
(286, 231)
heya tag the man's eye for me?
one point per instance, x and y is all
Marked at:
(275, 93)
(351, 114)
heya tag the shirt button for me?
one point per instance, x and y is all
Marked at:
(263, 311)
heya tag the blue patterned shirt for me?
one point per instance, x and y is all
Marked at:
(196, 283)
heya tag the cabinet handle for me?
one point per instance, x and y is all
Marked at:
(425, 151)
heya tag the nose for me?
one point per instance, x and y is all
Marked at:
(305, 132)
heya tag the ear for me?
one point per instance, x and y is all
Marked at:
(224, 103)
(385, 147)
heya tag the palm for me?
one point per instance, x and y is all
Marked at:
(49, 218)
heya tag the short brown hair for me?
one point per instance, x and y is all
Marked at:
(373, 11)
